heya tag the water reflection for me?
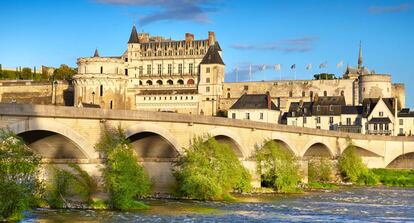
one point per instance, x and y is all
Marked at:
(349, 205)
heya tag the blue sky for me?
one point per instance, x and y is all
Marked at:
(250, 32)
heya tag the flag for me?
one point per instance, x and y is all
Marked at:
(277, 67)
(236, 69)
(309, 67)
(340, 64)
(263, 67)
(293, 66)
(323, 65)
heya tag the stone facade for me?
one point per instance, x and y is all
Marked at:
(158, 74)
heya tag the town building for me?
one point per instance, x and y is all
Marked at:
(255, 107)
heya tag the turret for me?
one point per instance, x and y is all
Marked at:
(360, 56)
(134, 53)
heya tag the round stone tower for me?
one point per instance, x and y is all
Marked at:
(374, 86)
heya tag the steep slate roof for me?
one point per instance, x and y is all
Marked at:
(355, 70)
(405, 112)
(212, 56)
(349, 109)
(218, 46)
(369, 104)
(297, 109)
(134, 36)
(330, 100)
(96, 54)
(253, 101)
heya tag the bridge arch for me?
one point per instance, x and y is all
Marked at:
(35, 129)
(285, 143)
(403, 161)
(151, 141)
(225, 135)
(317, 149)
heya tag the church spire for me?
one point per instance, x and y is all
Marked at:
(134, 35)
(96, 54)
(360, 56)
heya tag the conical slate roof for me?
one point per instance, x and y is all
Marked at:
(212, 56)
(134, 36)
(96, 54)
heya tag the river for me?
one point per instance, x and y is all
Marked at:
(377, 204)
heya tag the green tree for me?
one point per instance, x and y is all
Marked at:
(278, 168)
(125, 179)
(320, 170)
(19, 186)
(353, 169)
(210, 170)
(64, 72)
(26, 73)
(324, 76)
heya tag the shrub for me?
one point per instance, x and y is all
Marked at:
(210, 170)
(67, 184)
(353, 169)
(392, 177)
(319, 170)
(19, 187)
(125, 179)
(278, 168)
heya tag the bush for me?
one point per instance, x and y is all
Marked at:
(320, 170)
(210, 170)
(392, 177)
(66, 185)
(353, 169)
(125, 179)
(278, 168)
(19, 187)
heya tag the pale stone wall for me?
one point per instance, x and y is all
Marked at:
(406, 124)
(374, 86)
(398, 91)
(269, 116)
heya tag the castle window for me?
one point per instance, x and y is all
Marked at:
(140, 82)
(207, 80)
(207, 89)
(170, 69)
(180, 68)
(233, 115)
(380, 114)
(192, 97)
(228, 95)
(342, 93)
(304, 120)
(140, 70)
(180, 81)
(110, 104)
(247, 116)
(401, 121)
(191, 52)
(149, 69)
(190, 81)
(246, 87)
(348, 121)
(208, 70)
(169, 52)
(170, 82)
(126, 59)
(290, 94)
(159, 70)
(261, 115)
(331, 120)
(159, 82)
(325, 93)
(101, 69)
(126, 72)
(149, 82)
(101, 91)
(303, 94)
(318, 120)
(190, 68)
(311, 95)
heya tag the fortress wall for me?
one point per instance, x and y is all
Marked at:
(398, 91)
(23, 91)
(280, 90)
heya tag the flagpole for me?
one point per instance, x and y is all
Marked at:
(250, 72)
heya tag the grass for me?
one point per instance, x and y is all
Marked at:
(395, 177)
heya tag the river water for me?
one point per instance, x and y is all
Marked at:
(379, 204)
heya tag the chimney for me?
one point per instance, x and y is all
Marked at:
(211, 38)
(189, 37)
(269, 101)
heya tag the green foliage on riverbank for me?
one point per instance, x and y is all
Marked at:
(354, 170)
(71, 184)
(320, 170)
(125, 179)
(19, 187)
(394, 177)
(278, 168)
(210, 170)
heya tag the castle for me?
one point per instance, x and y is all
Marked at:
(187, 76)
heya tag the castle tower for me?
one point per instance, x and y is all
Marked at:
(211, 79)
(133, 53)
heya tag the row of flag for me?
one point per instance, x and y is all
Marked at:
(278, 67)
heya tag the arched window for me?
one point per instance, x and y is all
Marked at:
(159, 82)
(190, 81)
(180, 81)
(342, 93)
(149, 82)
(325, 93)
(311, 95)
(228, 94)
(170, 82)
(290, 94)
(303, 94)
(110, 104)
(101, 69)
(101, 90)
(140, 82)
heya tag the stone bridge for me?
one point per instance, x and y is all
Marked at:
(68, 134)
